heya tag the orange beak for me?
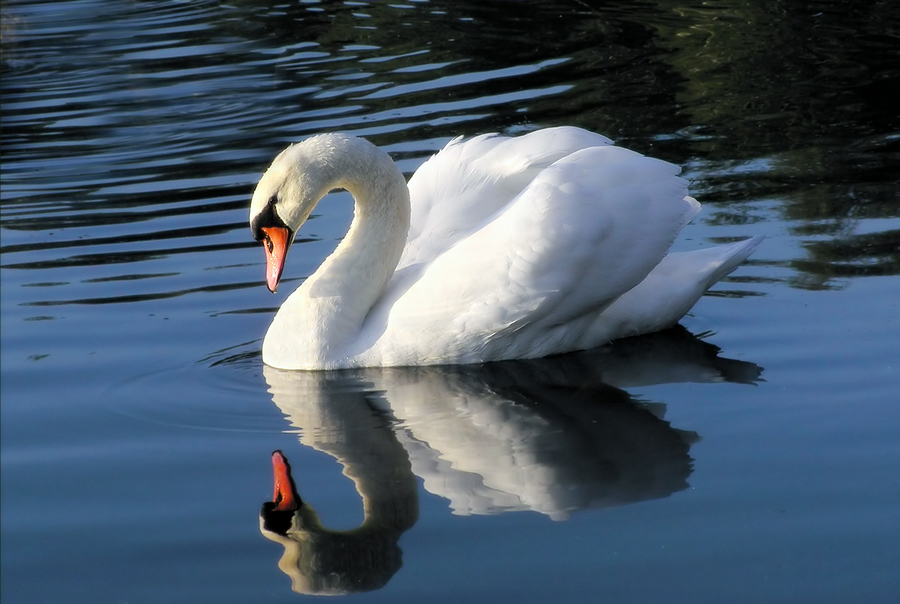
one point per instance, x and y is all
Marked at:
(276, 245)
(283, 498)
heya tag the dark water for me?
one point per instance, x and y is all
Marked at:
(751, 455)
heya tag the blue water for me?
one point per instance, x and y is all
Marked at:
(750, 455)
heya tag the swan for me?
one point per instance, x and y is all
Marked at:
(498, 248)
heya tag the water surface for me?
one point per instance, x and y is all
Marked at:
(750, 454)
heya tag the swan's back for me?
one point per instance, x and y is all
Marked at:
(468, 181)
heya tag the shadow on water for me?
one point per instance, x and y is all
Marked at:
(553, 436)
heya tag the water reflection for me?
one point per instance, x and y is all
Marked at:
(158, 132)
(552, 436)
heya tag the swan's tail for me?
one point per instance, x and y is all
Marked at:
(668, 292)
(722, 259)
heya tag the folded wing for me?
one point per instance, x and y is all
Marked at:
(525, 276)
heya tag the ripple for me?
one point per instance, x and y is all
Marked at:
(153, 129)
(209, 397)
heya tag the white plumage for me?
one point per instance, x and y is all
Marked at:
(498, 248)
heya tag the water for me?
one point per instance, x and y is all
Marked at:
(750, 455)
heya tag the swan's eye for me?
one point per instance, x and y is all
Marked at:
(268, 217)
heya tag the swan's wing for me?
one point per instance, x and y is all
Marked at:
(584, 231)
(468, 181)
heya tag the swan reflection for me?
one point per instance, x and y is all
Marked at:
(550, 435)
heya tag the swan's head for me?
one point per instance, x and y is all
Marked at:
(287, 193)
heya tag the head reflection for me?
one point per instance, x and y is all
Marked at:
(325, 562)
(552, 436)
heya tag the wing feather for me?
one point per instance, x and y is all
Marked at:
(468, 181)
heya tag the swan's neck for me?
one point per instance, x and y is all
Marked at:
(324, 316)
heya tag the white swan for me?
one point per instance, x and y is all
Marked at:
(498, 248)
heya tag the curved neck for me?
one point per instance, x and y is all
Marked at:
(370, 250)
(333, 303)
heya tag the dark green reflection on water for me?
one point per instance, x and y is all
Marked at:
(787, 100)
